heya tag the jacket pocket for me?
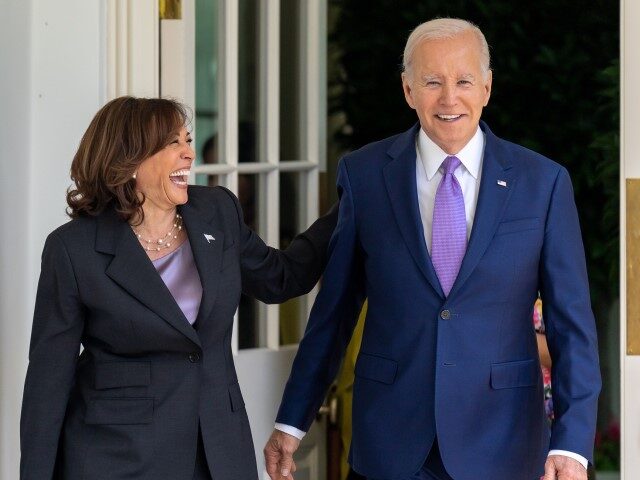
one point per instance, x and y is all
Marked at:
(119, 411)
(514, 226)
(374, 367)
(522, 373)
(235, 397)
(122, 374)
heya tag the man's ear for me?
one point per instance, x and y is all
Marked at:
(487, 87)
(406, 87)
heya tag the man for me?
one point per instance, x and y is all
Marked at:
(450, 232)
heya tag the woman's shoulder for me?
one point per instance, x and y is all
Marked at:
(74, 234)
(75, 226)
(202, 197)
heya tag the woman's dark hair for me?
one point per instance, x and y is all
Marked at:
(124, 133)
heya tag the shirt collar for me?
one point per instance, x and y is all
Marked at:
(432, 155)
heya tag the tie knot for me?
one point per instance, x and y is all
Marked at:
(450, 164)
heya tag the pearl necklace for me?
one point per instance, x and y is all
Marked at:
(164, 242)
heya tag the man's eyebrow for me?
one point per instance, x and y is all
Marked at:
(467, 76)
(430, 76)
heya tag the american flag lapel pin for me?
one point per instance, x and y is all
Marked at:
(502, 183)
(209, 238)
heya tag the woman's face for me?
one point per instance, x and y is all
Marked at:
(162, 178)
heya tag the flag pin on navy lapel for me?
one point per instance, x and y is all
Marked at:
(209, 238)
(502, 183)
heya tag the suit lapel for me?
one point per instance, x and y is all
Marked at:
(206, 245)
(400, 179)
(133, 271)
(496, 184)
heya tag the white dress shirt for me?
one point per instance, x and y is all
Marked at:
(429, 158)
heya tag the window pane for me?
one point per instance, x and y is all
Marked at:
(206, 108)
(290, 81)
(206, 179)
(293, 316)
(248, 85)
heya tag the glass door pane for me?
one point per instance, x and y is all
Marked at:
(206, 88)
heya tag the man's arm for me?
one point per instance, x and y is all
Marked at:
(570, 328)
(328, 331)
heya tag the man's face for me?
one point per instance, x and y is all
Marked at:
(448, 90)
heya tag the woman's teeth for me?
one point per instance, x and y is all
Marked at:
(179, 177)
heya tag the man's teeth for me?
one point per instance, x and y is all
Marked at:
(448, 117)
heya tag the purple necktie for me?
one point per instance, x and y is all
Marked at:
(449, 229)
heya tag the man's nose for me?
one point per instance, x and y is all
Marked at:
(449, 94)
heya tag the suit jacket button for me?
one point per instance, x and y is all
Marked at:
(445, 314)
(194, 357)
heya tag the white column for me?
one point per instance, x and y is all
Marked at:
(629, 168)
(55, 54)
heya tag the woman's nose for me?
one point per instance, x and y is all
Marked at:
(189, 152)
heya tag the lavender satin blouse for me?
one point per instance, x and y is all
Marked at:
(180, 275)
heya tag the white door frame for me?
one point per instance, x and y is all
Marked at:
(629, 168)
(133, 68)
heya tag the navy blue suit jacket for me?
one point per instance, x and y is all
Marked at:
(465, 367)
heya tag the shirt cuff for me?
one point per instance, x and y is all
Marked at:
(583, 461)
(293, 431)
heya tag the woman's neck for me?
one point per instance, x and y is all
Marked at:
(157, 222)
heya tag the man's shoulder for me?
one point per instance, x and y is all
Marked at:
(375, 151)
(524, 157)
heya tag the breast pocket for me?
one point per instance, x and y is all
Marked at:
(516, 226)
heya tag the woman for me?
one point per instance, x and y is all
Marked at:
(146, 277)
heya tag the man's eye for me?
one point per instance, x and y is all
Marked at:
(189, 140)
(465, 83)
(432, 83)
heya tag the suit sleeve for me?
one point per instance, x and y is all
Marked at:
(571, 331)
(58, 322)
(274, 276)
(332, 319)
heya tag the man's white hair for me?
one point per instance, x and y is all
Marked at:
(441, 28)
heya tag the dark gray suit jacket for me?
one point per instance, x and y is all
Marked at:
(129, 406)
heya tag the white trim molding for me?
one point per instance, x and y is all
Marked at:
(133, 47)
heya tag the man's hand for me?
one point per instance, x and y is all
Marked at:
(278, 455)
(563, 468)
